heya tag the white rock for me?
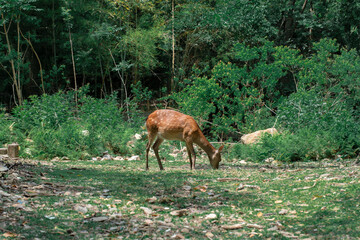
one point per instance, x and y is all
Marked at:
(243, 162)
(255, 136)
(3, 168)
(99, 219)
(211, 216)
(85, 132)
(283, 211)
(134, 158)
(269, 160)
(107, 157)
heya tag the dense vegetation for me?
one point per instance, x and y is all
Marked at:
(77, 76)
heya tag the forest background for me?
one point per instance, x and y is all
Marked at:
(79, 77)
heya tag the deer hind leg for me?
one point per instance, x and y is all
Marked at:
(191, 153)
(148, 145)
(156, 150)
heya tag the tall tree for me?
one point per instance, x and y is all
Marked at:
(15, 14)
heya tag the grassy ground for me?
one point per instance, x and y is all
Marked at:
(119, 200)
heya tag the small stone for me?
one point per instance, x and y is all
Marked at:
(3, 168)
(106, 157)
(134, 158)
(99, 219)
(118, 158)
(283, 211)
(211, 216)
(137, 136)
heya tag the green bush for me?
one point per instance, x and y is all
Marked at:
(288, 147)
(56, 125)
(324, 117)
(319, 109)
(8, 131)
(47, 111)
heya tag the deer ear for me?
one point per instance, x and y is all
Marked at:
(221, 148)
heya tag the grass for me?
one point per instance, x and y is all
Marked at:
(118, 199)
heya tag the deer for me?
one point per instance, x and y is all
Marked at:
(167, 124)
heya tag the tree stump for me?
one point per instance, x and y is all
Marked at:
(3, 151)
(13, 150)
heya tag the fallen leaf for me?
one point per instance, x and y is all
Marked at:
(80, 209)
(179, 213)
(316, 197)
(253, 225)
(233, 227)
(146, 210)
(178, 236)
(260, 214)
(278, 201)
(148, 222)
(10, 234)
(232, 179)
(209, 235)
(288, 234)
(201, 188)
(304, 188)
(242, 186)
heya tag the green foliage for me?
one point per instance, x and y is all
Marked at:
(56, 126)
(140, 93)
(320, 119)
(47, 111)
(235, 93)
(236, 64)
(287, 147)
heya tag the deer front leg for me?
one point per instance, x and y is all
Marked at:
(156, 150)
(191, 153)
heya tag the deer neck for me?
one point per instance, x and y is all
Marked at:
(205, 145)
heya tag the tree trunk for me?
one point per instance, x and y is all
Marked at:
(53, 34)
(74, 69)
(173, 47)
(12, 64)
(38, 59)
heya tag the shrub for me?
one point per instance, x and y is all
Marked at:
(287, 147)
(57, 126)
(47, 111)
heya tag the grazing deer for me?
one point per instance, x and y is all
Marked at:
(172, 125)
